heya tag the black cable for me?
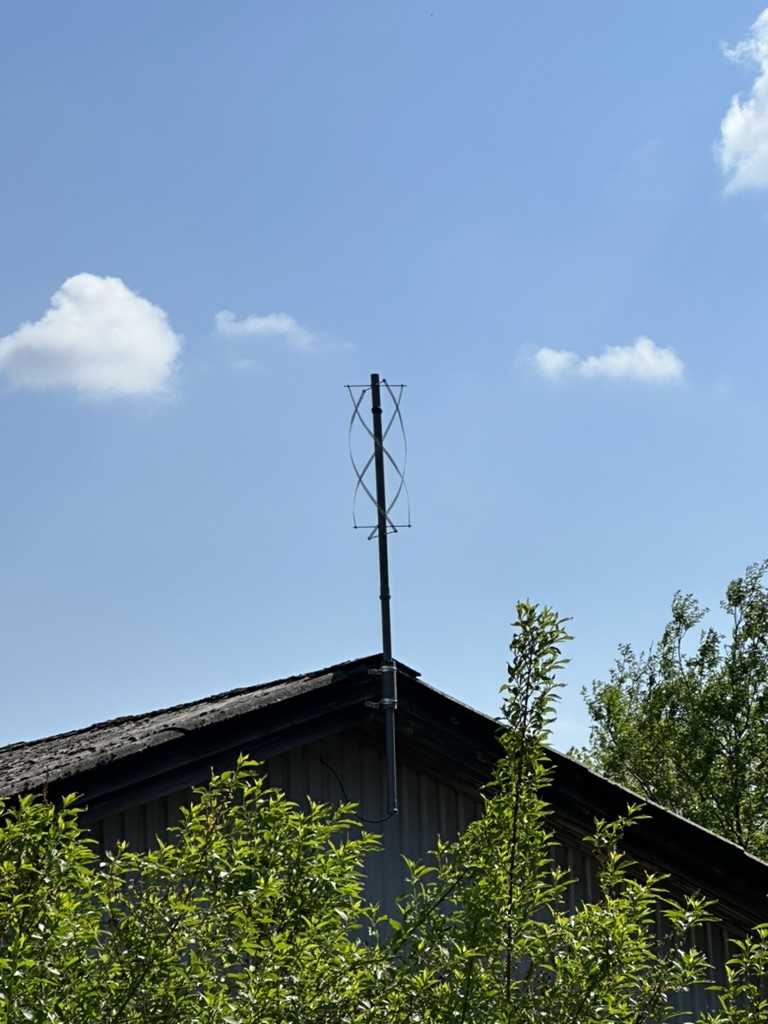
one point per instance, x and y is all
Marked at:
(367, 821)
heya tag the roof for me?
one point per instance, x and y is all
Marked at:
(122, 762)
(69, 759)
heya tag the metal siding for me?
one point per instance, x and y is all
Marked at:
(713, 938)
(343, 768)
(277, 771)
(134, 825)
(112, 831)
(429, 813)
(157, 820)
(580, 866)
(174, 803)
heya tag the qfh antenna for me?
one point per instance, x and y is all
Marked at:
(381, 459)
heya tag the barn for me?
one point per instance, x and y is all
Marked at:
(321, 735)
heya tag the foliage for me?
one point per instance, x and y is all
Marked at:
(690, 730)
(249, 914)
(508, 946)
(254, 911)
(743, 998)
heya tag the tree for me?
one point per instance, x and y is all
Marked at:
(689, 729)
(254, 912)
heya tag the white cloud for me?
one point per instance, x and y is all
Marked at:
(643, 361)
(553, 362)
(98, 338)
(743, 146)
(276, 325)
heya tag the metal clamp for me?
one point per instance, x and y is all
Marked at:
(385, 702)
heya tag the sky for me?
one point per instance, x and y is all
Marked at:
(548, 221)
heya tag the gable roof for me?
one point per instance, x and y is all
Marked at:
(128, 760)
(138, 746)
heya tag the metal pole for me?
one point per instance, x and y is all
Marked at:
(388, 676)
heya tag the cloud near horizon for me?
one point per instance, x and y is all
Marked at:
(743, 146)
(97, 338)
(644, 361)
(274, 325)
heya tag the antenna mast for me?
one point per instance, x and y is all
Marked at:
(384, 525)
(388, 674)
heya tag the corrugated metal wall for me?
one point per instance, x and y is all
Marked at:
(139, 826)
(347, 768)
(344, 769)
(713, 939)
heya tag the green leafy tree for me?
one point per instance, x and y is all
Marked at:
(249, 913)
(688, 728)
(504, 945)
(253, 911)
(743, 998)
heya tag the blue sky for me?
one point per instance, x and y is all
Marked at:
(549, 220)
